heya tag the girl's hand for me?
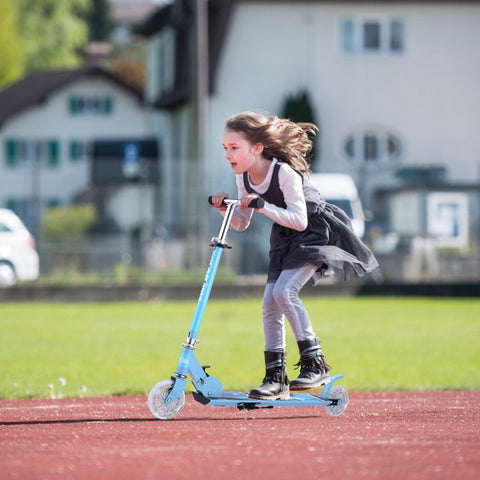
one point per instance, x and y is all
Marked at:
(246, 199)
(217, 200)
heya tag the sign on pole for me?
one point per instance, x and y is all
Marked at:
(131, 160)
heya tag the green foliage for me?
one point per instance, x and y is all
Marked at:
(12, 58)
(298, 108)
(379, 344)
(99, 21)
(68, 223)
(53, 31)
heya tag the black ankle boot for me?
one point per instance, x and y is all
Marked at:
(275, 383)
(313, 368)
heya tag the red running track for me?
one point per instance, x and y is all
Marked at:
(387, 436)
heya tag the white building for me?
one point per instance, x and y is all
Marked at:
(394, 86)
(48, 125)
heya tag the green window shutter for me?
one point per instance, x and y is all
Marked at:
(76, 150)
(73, 150)
(108, 105)
(11, 157)
(75, 105)
(72, 103)
(53, 153)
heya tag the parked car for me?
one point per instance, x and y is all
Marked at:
(18, 255)
(340, 190)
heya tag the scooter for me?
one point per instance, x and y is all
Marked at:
(167, 398)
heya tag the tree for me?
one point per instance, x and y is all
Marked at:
(99, 21)
(298, 109)
(12, 56)
(54, 32)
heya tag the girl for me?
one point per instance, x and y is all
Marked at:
(309, 238)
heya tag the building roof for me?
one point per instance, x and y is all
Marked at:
(179, 15)
(34, 89)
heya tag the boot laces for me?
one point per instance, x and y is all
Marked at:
(316, 363)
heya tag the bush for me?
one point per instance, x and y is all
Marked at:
(68, 223)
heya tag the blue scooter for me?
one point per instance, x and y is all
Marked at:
(167, 398)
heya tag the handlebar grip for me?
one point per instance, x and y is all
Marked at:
(255, 203)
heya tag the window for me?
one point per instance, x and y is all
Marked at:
(90, 105)
(4, 228)
(396, 36)
(367, 35)
(448, 218)
(371, 36)
(78, 150)
(24, 152)
(372, 150)
(348, 40)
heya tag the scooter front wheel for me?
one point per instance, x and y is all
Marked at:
(340, 394)
(156, 400)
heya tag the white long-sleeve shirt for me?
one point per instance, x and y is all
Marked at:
(294, 216)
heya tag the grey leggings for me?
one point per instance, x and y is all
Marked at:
(281, 299)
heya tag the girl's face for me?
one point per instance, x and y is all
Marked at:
(239, 152)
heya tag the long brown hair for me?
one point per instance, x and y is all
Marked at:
(281, 138)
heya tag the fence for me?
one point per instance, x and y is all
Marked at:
(120, 258)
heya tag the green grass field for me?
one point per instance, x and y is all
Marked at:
(54, 350)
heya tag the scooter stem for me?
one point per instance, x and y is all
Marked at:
(219, 244)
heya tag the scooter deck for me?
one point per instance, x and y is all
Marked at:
(242, 401)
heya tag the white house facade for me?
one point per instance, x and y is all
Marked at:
(393, 86)
(404, 72)
(48, 123)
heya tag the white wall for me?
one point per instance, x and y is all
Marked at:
(428, 96)
(53, 120)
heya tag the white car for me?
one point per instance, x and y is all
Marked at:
(340, 190)
(18, 255)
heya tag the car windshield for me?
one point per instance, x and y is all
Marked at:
(345, 205)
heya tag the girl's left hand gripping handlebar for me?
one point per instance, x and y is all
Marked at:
(255, 203)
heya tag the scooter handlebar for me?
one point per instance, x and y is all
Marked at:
(255, 203)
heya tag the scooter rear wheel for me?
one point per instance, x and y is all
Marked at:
(156, 400)
(339, 393)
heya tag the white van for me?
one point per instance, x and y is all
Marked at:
(18, 255)
(340, 190)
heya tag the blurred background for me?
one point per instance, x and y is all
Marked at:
(112, 115)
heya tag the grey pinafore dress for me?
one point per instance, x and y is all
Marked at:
(328, 242)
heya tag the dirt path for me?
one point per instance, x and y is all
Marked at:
(428, 435)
